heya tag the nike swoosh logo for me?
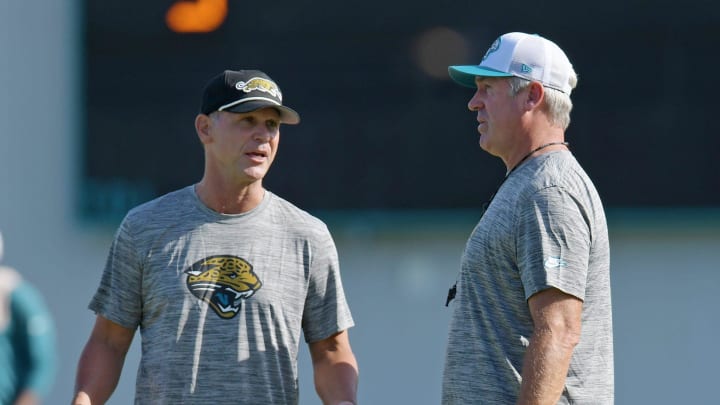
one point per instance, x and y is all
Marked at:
(554, 263)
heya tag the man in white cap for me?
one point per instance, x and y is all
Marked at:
(532, 320)
(223, 278)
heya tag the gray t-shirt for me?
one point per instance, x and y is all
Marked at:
(221, 300)
(545, 228)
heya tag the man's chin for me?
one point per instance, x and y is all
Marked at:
(255, 173)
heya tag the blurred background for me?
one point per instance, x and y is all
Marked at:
(98, 101)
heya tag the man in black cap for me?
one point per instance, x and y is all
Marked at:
(223, 276)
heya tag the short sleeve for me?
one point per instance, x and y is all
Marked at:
(119, 295)
(553, 243)
(326, 309)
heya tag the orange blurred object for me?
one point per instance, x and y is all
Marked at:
(196, 16)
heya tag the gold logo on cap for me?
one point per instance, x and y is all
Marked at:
(260, 84)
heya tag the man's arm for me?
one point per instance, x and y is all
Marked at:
(557, 320)
(33, 317)
(101, 362)
(336, 370)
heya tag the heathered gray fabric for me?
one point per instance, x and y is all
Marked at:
(196, 353)
(545, 228)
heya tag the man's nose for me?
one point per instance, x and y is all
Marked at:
(475, 102)
(263, 134)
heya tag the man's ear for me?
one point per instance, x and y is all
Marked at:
(202, 127)
(535, 95)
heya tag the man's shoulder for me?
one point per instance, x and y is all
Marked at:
(162, 203)
(555, 169)
(160, 212)
(557, 163)
(291, 214)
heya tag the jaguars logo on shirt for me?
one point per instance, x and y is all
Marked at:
(223, 282)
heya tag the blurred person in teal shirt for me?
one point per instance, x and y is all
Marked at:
(27, 341)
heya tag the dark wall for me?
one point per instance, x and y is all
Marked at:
(378, 131)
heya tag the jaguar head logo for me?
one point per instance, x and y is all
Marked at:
(223, 282)
(260, 84)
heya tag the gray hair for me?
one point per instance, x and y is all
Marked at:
(558, 103)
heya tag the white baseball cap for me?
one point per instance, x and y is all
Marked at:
(529, 56)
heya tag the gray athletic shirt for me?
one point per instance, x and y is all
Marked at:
(221, 300)
(544, 228)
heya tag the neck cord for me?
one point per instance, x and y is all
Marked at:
(453, 290)
(487, 204)
(530, 154)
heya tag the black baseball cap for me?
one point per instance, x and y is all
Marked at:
(243, 91)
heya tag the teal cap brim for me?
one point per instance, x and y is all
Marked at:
(465, 75)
